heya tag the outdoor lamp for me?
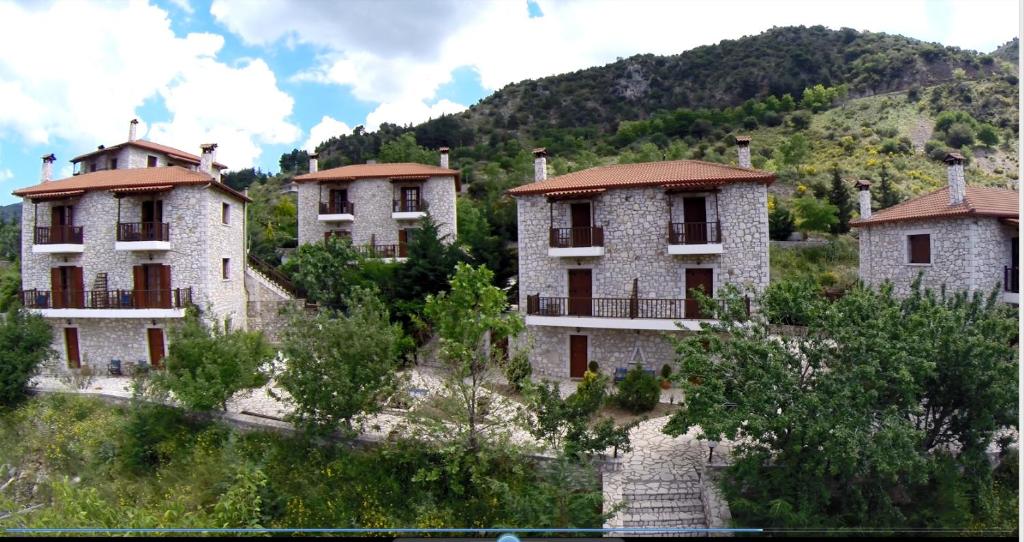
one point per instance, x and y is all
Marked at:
(711, 449)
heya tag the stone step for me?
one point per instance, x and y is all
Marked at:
(646, 477)
(654, 495)
(683, 507)
(667, 519)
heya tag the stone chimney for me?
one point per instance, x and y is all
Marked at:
(743, 150)
(444, 157)
(957, 184)
(864, 192)
(207, 157)
(47, 173)
(314, 162)
(132, 126)
(540, 164)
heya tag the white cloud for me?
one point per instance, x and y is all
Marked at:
(327, 128)
(6, 174)
(409, 112)
(83, 88)
(183, 5)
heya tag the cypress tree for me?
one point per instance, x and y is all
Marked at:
(840, 197)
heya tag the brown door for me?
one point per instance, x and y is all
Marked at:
(695, 216)
(57, 288)
(403, 240)
(68, 287)
(61, 219)
(581, 224)
(152, 286)
(410, 199)
(71, 343)
(580, 292)
(155, 338)
(152, 217)
(702, 280)
(338, 198)
(577, 355)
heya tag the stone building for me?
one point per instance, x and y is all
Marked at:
(376, 206)
(609, 256)
(961, 237)
(114, 254)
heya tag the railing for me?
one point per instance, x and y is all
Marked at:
(694, 233)
(143, 231)
(278, 277)
(177, 298)
(403, 206)
(336, 207)
(53, 235)
(618, 307)
(1011, 280)
(577, 237)
(383, 251)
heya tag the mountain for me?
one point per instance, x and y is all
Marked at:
(1009, 51)
(12, 211)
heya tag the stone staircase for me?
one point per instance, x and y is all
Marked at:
(663, 500)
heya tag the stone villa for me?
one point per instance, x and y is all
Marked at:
(961, 237)
(115, 253)
(608, 256)
(376, 206)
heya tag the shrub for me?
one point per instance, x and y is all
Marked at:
(638, 391)
(987, 135)
(788, 302)
(24, 344)
(589, 395)
(780, 223)
(517, 370)
(593, 366)
(771, 118)
(960, 134)
(666, 371)
(800, 120)
(148, 427)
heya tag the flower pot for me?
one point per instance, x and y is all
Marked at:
(665, 384)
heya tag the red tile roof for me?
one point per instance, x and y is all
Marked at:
(980, 201)
(403, 170)
(130, 178)
(148, 145)
(678, 173)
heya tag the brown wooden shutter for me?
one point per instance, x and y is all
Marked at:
(920, 248)
(139, 286)
(77, 286)
(165, 286)
(56, 289)
(71, 342)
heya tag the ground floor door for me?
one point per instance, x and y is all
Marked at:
(702, 280)
(580, 292)
(71, 347)
(577, 355)
(155, 340)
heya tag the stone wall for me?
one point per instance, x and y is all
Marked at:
(966, 253)
(226, 297)
(610, 348)
(372, 201)
(103, 339)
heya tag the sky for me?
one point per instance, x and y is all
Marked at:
(260, 78)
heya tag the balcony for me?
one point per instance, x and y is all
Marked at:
(336, 211)
(1011, 285)
(685, 238)
(386, 252)
(165, 303)
(617, 312)
(143, 236)
(408, 209)
(576, 242)
(57, 240)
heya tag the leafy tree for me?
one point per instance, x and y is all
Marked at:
(295, 162)
(780, 222)
(24, 344)
(794, 150)
(862, 412)
(887, 195)
(987, 135)
(800, 120)
(466, 318)
(10, 240)
(814, 215)
(10, 286)
(209, 364)
(404, 149)
(329, 271)
(572, 424)
(960, 134)
(639, 391)
(272, 221)
(840, 198)
(244, 178)
(430, 262)
(819, 98)
(340, 366)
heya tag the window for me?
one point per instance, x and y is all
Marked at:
(225, 268)
(113, 163)
(919, 248)
(92, 167)
(225, 213)
(151, 161)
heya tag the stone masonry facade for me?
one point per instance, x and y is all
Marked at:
(966, 254)
(635, 223)
(372, 201)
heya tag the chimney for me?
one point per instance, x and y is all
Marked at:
(955, 171)
(47, 174)
(207, 157)
(314, 162)
(540, 164)
(444, 157)
(131, 129)
(864, 188)
(743, 148)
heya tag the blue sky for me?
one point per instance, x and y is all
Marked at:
(263, 77)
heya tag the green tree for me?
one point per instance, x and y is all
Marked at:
(404, 149)
(780, 222)
(840, 198)
(887, 195)
(431, 261)
(10, 240)
(960, 134)
(206, 365)
(638, 392)
(572, 425)
(854, 429)
(329, 271)
(794, 150)
(10, 286)
(814, 215)
(24, 344)
(987, 135)
(468, 318)
(340, 367)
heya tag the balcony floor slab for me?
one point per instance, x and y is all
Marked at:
(110, 313)
(411, 215)
(616, 323)
(142, 245)
(339, 217)
(575, 252)
(59, 248)
(686, 250)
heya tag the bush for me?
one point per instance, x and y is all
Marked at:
(638, 392)
(771, 118)
(517, 370)
(148, 427)
(960, 134)
(800, 120)
(24, 344)
(593, 366)
(789, 302)
(987, 135)
(780, 223)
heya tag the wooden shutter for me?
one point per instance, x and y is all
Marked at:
(71, 343)
(56, 289)
(165, 286)
(139, 287)
(76, 284)
(920, 248)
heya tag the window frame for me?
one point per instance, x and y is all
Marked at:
(151, 161)
(225, 213)
(225, 268)
(907, 235)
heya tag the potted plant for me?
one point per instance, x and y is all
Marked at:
(664, 381)
(593, 367)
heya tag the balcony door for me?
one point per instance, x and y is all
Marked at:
(68, 287)
(695, 218)
(152, 217)
(700, 279)
(410, 201)
(61, 220)
(580, 292)
(152, 289)
(581, 224)
(337, 200)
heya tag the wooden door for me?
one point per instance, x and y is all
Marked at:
(581, 233)
(152, 288)
(152, 217)
(61, 219)
(577, 356)
(338, 197)
(68, 287)
(702, 280)
(71, 345)
(155, 339)
(57, 288)
(580, 292)
(410, 199)
(403, 240)
(139, 287)
(695, 217)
